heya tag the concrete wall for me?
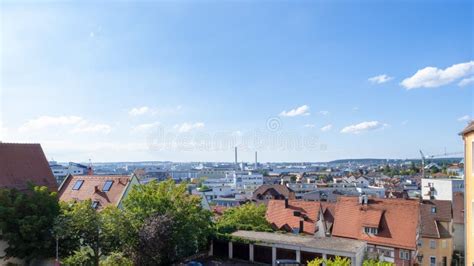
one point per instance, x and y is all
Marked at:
(3, 246)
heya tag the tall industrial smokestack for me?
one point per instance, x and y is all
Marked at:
(236, 162)
(256, 162)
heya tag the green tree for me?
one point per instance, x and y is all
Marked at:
(116, 259)
(376, 263)
(89, 234)
(337, 261)
(192, 224)
(26, 220)
(245, 217)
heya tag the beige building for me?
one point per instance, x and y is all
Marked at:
(468, 137)
(436, 242)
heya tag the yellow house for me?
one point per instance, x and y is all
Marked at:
(468, 137)
(436, 244)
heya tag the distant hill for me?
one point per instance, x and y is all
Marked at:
(384, 161)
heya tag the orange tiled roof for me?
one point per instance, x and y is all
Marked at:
(282, 217)
(399, 221)
(23, 163)
(92, 188)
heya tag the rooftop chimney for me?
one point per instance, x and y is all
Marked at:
(286, 203)
(256, 162)
(90, 171)
(235, 151)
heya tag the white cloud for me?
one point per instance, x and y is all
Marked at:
(404, 122)
(139, 110)
(49, 121)
(380, 79)
(186, 127)
(92, 128)
(299, 111)
(75, 124)
(362, 127)
(466, 81)
(464, 118)
(145, 127)
(431, 77)
(323, 112)
(310, 125)
(355, 108)
(136, 111)
(326, 128)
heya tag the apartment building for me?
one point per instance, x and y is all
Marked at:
(436, 244)
(468, 137)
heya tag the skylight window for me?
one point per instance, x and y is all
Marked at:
(95, 204)
(107, 185)
(77, 185)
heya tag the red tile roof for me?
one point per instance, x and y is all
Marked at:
(282, 217)
(23, 163)
(398, 225)
(92, 188)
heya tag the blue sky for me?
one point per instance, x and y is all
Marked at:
(106, 80)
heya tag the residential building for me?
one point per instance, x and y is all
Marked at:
(297, 216)
(436, 244)
(441, 188)
(61, 171)
(101, 190)
(389, 226)
(21, 164)
(468, 137)
(264, 193)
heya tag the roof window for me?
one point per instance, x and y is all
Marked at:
(77, 185)
(107, 185)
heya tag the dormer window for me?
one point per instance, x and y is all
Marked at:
(107, 185)
(371, 230)
(77, 185)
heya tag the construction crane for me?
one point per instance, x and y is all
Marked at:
(423, 159)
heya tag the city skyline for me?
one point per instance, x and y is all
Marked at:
(163, 81)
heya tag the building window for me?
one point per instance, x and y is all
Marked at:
(443, 243)
(77, 185)
(432, 244)
(404, 254)
(433, 209)
(107, 185)
(95, 204)
(432, 261)
(371, 230)
(420, 242)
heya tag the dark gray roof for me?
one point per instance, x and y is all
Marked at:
(326, 243)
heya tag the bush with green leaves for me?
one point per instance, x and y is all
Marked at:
(248, 216)
(337, 261)
(26, 220)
